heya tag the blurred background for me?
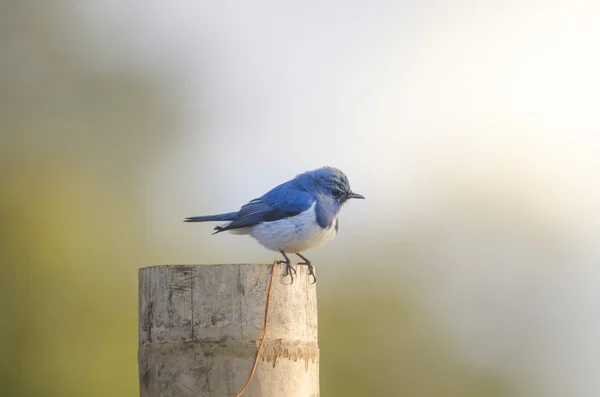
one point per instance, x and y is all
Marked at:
(472, 128)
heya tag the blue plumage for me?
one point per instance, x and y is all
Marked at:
(283, 201)
(295, 216)
(220, 217)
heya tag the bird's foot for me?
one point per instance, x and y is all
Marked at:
(289, 269)
(311, 270)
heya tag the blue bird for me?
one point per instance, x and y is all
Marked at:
(293, 217)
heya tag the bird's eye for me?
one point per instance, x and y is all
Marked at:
(336, 192)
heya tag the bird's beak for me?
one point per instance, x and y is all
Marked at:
(355, 195)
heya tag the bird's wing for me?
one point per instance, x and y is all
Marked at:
(282, 202)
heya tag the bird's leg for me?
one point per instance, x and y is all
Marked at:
(289, 269)
(311, 269)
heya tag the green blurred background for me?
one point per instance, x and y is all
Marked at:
(473, 130)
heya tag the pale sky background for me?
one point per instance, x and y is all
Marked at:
(426, 106)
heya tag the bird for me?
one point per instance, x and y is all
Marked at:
(293, 217)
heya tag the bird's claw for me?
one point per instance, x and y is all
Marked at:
(311, 270)
(289, 270)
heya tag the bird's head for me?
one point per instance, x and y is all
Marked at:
(329, 182)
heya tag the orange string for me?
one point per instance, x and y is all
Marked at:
(265, 327)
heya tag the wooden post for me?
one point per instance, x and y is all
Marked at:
(199, 329)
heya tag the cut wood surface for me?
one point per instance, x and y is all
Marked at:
(200, 325)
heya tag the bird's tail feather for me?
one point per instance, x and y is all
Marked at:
(208, 218)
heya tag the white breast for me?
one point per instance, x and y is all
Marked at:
(295, 234)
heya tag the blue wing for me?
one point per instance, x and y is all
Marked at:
(282, 202)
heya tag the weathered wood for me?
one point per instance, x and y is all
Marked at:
(199, 328)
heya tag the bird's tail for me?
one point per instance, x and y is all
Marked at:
(208, 218)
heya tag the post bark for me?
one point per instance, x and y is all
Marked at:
(199, 329)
